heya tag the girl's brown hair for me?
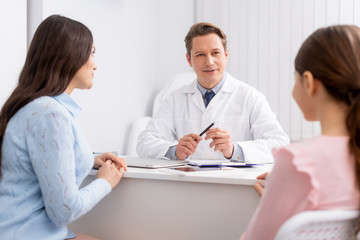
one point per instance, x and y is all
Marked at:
(59, 48)
(332, 55)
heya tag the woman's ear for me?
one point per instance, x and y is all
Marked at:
(309, 83)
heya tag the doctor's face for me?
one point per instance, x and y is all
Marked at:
(208, 59)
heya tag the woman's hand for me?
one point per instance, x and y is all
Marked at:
(111, 172)
(101, 159)
(258, 186)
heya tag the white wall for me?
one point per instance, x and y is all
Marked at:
(12, 44)
(264, 37)
(139, 46)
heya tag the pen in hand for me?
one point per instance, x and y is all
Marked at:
(206, 129)
(187, 144)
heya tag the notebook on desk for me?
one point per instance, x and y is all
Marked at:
(153, 162)
(220, 163)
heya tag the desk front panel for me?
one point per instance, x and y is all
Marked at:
(139, 209)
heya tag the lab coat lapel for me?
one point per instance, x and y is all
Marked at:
(216, 99)
(197, 99)
(228, 87)
(195, 95)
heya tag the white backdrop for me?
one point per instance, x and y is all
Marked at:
(264, 37)
(140, 47)
(12, 44)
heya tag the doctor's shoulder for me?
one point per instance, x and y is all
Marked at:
(180, 93)
(247, 91)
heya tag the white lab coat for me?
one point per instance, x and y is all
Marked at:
(237, 108)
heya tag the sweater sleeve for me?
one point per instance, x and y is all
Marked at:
(50, 141)
(286, 193)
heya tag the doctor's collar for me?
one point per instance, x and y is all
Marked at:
(215, 89)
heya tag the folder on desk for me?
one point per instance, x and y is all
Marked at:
(220, 163)
(153, 162)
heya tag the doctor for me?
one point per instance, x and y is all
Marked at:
(245, 127)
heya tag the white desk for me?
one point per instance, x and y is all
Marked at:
(150, 204)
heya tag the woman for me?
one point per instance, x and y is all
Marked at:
(322, 172)
(44, 155)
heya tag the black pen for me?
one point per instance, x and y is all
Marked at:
(206, 129)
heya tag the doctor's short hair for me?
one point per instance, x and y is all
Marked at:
(202, 29)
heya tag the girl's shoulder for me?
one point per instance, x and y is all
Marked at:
(314, 146)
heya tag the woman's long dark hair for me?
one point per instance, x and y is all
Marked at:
(332, 55)
(59, 48)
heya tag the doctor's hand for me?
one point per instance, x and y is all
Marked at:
(258, 186)
(187, 145)
(221, 141)
(101, 159)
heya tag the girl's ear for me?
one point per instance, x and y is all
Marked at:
(309, 83)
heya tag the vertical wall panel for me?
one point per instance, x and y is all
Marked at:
(264, 38)
(319, 21)
(307, 29)
(319, 13)
(356, 12)
(253, 39)
(238, 41)
(346, 12)
(332, 12)
(263, 45)
(284, 67)
(273, 87)
(296, 116)
(234, 37)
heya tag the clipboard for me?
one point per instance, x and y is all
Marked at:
(201, 171)
(221, 163)
(153, 162)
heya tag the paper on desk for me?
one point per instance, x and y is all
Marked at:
(218, 162)
(207, 162)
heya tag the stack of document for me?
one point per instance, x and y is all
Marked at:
(219, 163)
(153, 162)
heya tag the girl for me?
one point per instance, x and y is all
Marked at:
(44, 155)
(322, 172)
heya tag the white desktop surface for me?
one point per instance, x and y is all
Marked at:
(243, 176)
(151, 204)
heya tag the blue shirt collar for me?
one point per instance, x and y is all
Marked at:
(69, 103)
(215, 89)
